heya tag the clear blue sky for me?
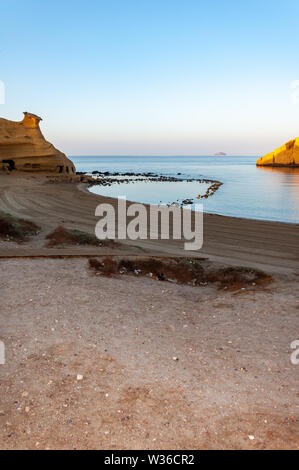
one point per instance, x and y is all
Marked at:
(153, 77)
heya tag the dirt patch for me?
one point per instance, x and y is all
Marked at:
(14, 229)
(160, 365)
(45, 406)
(62, 236)
(237, 277)
(192, 271)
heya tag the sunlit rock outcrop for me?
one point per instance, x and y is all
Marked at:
(24, 148)
(287, 155)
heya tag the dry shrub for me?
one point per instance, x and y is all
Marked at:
(177, 269)
(62, 236)
(181, 270)
(236, 277)
(106, 266)
(14, 229)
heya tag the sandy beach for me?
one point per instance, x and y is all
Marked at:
(92, 363)
(172, 128)
(272, 246)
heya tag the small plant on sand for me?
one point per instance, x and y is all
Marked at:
(62, 236)
(15, 229)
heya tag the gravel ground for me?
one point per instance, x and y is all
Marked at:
(98, 362)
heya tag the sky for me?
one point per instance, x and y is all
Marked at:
(153, 77)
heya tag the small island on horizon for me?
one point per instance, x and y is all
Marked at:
(220, 153)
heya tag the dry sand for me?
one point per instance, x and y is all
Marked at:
(232, 379)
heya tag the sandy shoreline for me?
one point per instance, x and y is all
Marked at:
(268, 245)
(231, 378)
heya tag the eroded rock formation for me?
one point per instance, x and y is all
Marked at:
(287, 155)
(24, 148)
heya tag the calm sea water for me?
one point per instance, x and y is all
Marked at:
(248, 191)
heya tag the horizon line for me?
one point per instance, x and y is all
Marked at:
(148, 155)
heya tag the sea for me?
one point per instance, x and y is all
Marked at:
(248, 191)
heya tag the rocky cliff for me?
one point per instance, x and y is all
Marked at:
(287, 155)
(24, 148)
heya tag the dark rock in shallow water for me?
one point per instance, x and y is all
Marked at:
(186, 202)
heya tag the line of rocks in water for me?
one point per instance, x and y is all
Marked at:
(108, 179)
(211, 189)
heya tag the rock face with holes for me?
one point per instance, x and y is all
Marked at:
(287, 155)
(24, 148)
